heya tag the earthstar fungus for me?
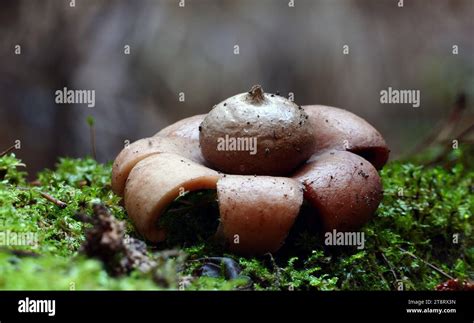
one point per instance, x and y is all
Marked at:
(325, 155)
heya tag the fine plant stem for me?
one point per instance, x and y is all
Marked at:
(91, 122)
(447, 148)
(452, 120)
(94, 154)
(276, 269)
(426, 263)
(6, 151)
(390, 265)
(383, 279)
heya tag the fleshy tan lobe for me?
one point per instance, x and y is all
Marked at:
(155, 182)
(143, 148)
(257, 212)
(184, 128)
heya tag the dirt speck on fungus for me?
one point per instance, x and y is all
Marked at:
(363, 174)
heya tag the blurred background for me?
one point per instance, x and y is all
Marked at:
(192, 50)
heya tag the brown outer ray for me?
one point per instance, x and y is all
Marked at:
(342, 130)
(344, 189)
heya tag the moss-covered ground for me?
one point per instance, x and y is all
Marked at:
(420, 236)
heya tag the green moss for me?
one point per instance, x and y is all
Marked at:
(12, 170)
(208, 283)
(59, 273)
(422, 231)
(77, 183)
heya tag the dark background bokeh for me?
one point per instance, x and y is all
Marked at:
(191, 50)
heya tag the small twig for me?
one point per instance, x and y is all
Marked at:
(390, 265)
(374, 263)
(447, 148)
(91, 123)
(6, 151)
(47, 196)
(426, 263)
(383, 278)
(466, 131)
(447, 124)
(275, 268)
(53, 200)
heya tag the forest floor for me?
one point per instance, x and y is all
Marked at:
(67, 231)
